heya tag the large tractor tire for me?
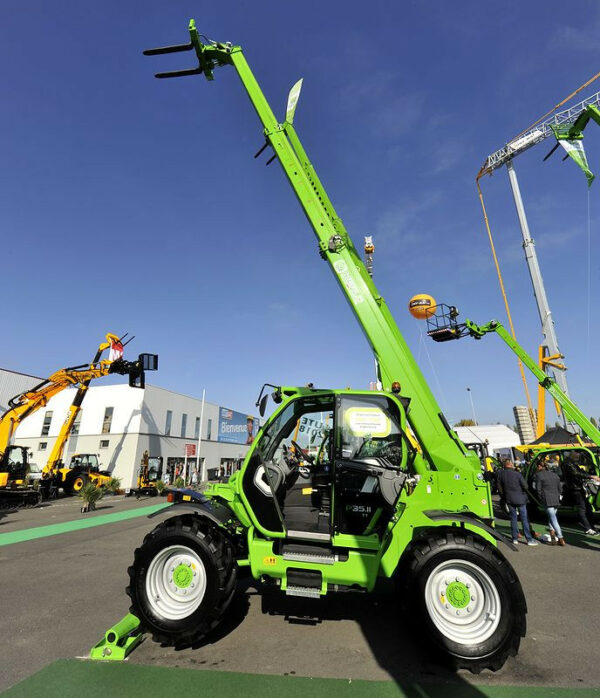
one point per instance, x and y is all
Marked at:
(182, 580)
(74, 483)
(79, 482)
(466, 596)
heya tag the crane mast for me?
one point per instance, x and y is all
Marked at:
(569, 123)
(397, 365)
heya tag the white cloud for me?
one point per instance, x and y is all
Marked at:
(578, 39)
(392, 112)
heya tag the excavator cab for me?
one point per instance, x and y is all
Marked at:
(14, 466)
(149, 473)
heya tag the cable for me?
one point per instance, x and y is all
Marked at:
(510, 322)
(589, 271)
(437, 380)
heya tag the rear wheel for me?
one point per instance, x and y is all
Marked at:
(467, 597)
(182, 579)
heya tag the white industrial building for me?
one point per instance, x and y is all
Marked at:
(14, 383)
(119, 423)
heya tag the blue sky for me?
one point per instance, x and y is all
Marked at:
(128, 203)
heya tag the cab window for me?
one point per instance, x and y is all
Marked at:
(371, 427)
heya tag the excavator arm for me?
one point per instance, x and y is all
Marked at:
(56, 455)
(27, 403)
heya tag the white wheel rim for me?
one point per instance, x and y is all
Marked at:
(463, 602)
(175, 582)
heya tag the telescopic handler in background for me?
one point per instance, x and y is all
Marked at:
(577, 465)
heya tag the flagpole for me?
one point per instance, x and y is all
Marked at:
(200, 464)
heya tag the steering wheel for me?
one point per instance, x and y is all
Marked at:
(301, 455)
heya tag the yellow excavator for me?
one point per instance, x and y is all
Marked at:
(14, 490)
(149, 473)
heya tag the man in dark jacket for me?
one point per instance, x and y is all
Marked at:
(574, 486)
(513, 489)
(549, 489)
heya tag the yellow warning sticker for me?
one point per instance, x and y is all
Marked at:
(368, 421)
(307, 490)
(186, 498)
(270, 560)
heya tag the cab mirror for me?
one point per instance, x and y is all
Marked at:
(262, 406)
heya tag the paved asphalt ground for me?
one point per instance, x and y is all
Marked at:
(60, 593)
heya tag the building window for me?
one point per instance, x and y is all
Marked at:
(42, 445)
(76, 424)
(107, 421)
(104, 443)
(197, 428)
(209, 430)
(46, 425)
(183, 424)
(168, 423)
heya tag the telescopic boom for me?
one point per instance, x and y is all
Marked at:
(440, 444)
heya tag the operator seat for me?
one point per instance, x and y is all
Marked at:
(281, 478)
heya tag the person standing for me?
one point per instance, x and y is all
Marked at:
(549, 489)
(513, 489)
(574, 486)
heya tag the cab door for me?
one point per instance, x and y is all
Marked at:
(371, 461)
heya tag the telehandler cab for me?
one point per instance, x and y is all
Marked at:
(374, 505)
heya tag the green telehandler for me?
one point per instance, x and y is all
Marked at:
(577, 466)
(373, 505)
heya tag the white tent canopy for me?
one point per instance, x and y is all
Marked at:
(499, 438)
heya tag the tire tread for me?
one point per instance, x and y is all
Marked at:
(221, 550)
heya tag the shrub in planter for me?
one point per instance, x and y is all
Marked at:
(90, 495)
(113, 485)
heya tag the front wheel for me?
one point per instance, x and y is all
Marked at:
(467, 597)
(182, 579)
(79, 482)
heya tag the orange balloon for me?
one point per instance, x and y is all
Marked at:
(421, 306)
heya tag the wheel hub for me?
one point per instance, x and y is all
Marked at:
(182, 576)
(458, 594)
(462, 602)
(175, 582)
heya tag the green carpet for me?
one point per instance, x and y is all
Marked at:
(76, 525)
(75, 678)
